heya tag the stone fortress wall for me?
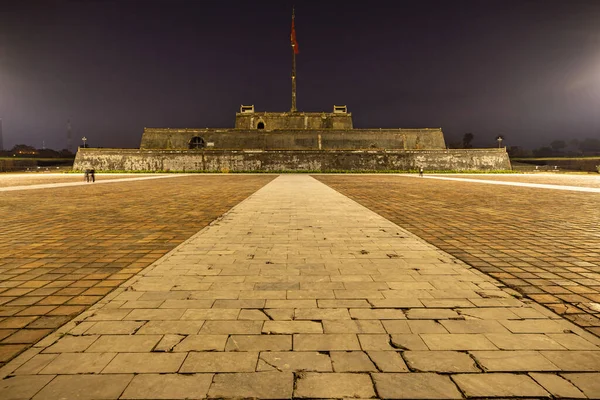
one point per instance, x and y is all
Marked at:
(291, 141)
(289, 160)
(322, 139)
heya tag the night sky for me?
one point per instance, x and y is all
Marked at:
(527, 70)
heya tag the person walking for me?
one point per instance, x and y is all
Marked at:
(421, 172)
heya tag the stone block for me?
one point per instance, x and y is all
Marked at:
(231, 327)
(98, 387)
(325, 342)
(71, 344)
(377, 313)
(287, 327)
(557, 386)
(114, 327)
(294, 361)
(259, 343)
(354, 326)
(170, 327)
(124, 343)
(22, 387)
(220, 362)
(168, 386)
(388, 361)
(144, 363)
(351, 361)
(440, 361)
(574, 360)
(523, 341)
(408, 342)
(415, 386)
(457, 341)
(202, 343)
(333, 385)
(258, 385)
(78, 363)
(512, 361)
(588, 383)
(499, 385)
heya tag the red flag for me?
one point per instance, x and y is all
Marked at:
(293, 37)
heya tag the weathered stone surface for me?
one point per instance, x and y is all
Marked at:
(499, 385)
(144, 363)
(168, 386)
(351, 361)
(574, 360)
(333, 385)
(523, 341)
(202, 343)
(299, 160)
(557, 386)
(259, 343)
(415, 386)
(440, 361)
(354, 326)
(78, 363)
(283, 327)
(408, 342)
(85, 387)
(457, 341)
(588, 383)
(325, 342)
(220, 362)
(259, 385)
(498, 361)
(294, 361)
(22, 387)
(71, 344)
(124, 343)
(388, 361)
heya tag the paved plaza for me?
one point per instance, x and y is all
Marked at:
(300, 291)
(544, 243)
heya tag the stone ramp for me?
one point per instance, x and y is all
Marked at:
(300, 292)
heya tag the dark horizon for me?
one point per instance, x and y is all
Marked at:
(526, 70)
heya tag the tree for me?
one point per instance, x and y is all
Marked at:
(590, 145)
(543, 152)
(467, 139)
(558, 145)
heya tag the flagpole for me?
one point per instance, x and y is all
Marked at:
(293, 67)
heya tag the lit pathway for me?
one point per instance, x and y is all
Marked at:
(522, 184)
(300, 292)
(82, 182)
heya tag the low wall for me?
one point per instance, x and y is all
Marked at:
(571, 164)
(326, 139)
(16, 164)
(284, 160)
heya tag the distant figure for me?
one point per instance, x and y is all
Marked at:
(421, 171)
(93, 174)
(86, 177)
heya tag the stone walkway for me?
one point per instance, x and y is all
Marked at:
(300, 292)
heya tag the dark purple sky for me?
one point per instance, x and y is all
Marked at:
(529, 70)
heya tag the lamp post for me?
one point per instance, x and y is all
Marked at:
(499, 139)
(84, 140)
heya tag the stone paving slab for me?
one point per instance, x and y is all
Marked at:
(224, 340)
(62, 249)
(542, 243)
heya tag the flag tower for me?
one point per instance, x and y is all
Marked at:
(295, 51)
